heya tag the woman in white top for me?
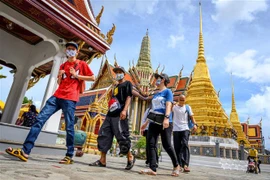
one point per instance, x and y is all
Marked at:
(181, 115)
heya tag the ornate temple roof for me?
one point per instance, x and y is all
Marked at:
(201, 95)
(71, 20)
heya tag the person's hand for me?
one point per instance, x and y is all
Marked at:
(143, 127)
(73, 72)
(166, 123)
(195, 127)
(123, 115)
(60, 73)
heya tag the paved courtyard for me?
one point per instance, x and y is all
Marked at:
(47, 167)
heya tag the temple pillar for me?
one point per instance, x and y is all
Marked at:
(143, 110)
(16, 95)
(53, 123)
(135, 114)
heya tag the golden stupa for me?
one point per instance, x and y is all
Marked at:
(241, 137)
(203, 99)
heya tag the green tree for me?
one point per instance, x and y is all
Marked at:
(25, 100)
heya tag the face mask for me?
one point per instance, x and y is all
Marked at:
(71, 53)
(158, 82)
(119, 76)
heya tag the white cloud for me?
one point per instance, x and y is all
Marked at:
(231, 11)
(186, 6)
(172, 42)
(246, 66)
(113, 8)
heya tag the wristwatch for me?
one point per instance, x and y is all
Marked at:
(167, 116)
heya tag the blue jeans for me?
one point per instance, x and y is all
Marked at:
(52, 105)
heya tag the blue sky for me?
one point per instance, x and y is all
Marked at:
(236, 39)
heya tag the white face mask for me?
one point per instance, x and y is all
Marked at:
(158, 82)
(119, 76)
(71, 53)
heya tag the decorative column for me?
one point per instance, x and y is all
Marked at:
(143, 110)
(15, 97)
(52, 124)
(135, 114)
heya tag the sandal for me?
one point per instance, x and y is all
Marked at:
(130, 164)
(175, 172)
(98, 164)
(66, 160)
(186, 169)
(148, 172)
(17, 153)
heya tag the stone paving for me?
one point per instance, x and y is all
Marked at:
(47, 167)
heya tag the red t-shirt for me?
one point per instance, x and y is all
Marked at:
(69, 88)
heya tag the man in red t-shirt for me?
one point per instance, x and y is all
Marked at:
(71, 77)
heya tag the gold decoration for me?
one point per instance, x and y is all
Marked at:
(81, 44)
(95, 55)
(99, 15)
(110, 34)
(115, 61)
(35, 79)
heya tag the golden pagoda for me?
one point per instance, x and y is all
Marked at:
(241, 137)
(203, 99)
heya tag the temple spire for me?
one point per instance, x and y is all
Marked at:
(144, 61)
(233, 99)
(201, 44)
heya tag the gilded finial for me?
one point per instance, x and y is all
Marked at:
(260, 123)
(147, 32)
(201, 44)
(115, 61)
(133, 63)
(180, 73)
(110, 35)
(157, 68)
(233, 99)
(218, 92)
(129, 64)
(99, 15)
(162, 69)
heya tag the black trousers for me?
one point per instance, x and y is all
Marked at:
(112, 126)
(147, 148)
(153, 133)
(180, 141)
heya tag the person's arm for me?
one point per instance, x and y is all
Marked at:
(123, 114)
(85, 78)
(169, 101)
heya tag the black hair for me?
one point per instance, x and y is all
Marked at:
(33, 109)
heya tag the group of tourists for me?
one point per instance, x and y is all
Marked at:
(164, 117)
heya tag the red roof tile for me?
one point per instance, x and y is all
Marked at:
(172, 81)
(182, 83)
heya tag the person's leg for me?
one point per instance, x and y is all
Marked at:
(166, 135)
(167, 145)
(153, 133)
(104, 140)
(68, 108)
(185, 150)
(146, 148)
(49, 109)
(177, 146)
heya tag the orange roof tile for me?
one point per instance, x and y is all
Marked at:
(172, 81)
(182, 83)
